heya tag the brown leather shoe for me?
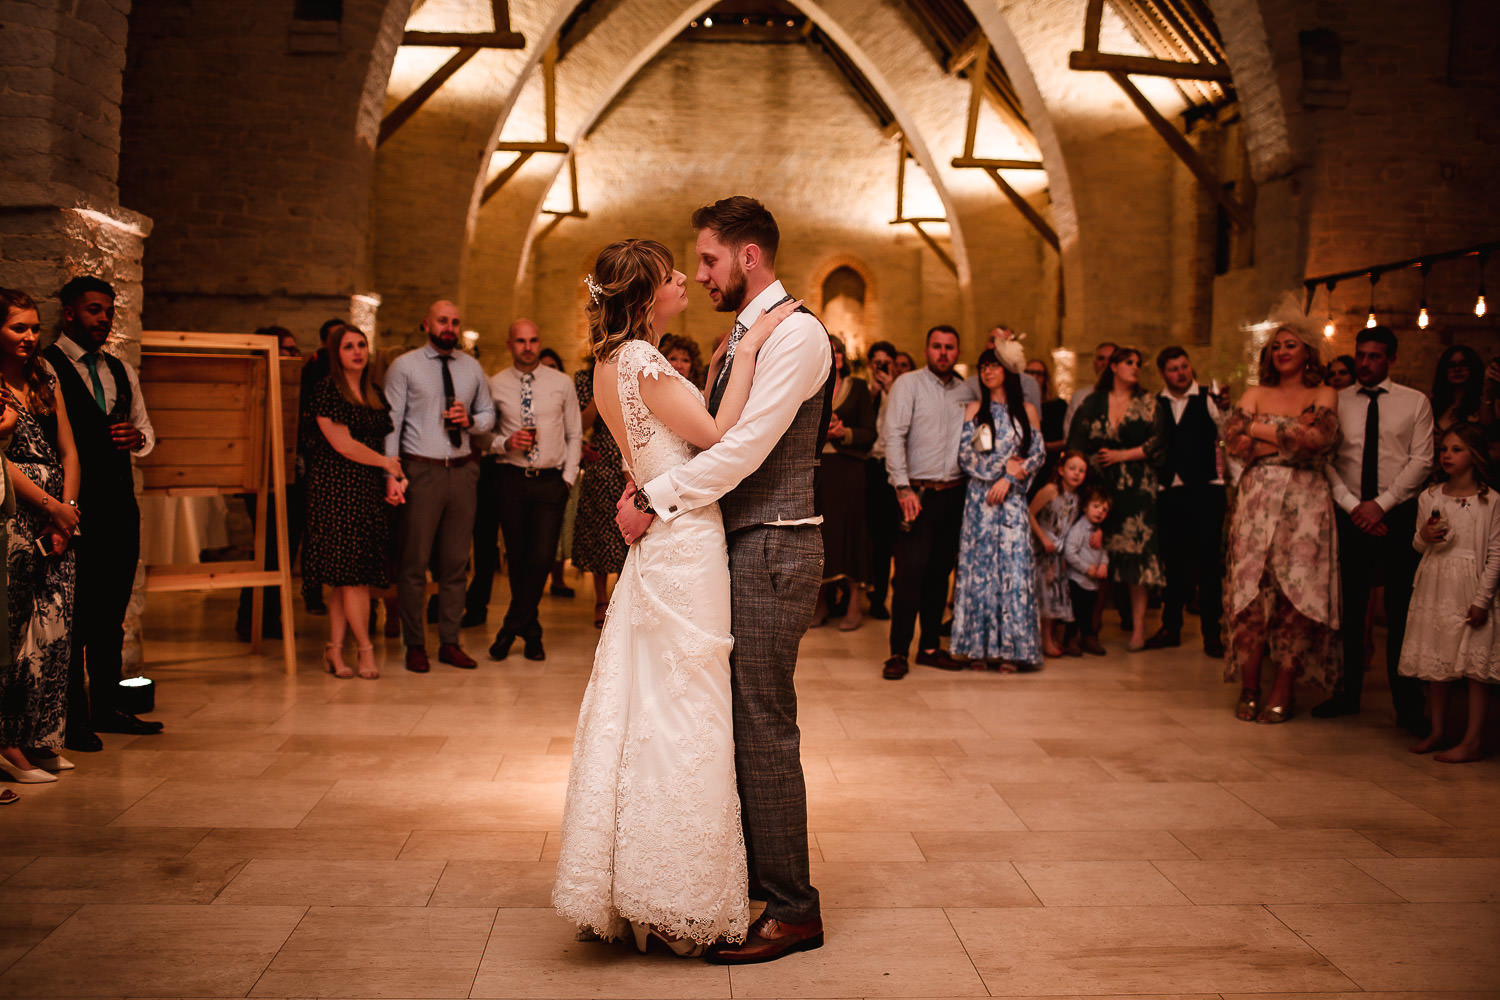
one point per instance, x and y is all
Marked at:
(416, 660)
(895, 668)
(938, 658)
(767, 941)
(453, 655)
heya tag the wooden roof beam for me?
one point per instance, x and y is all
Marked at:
(1110, 62)
(401, 113)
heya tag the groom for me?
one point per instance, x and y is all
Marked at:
(761, 473)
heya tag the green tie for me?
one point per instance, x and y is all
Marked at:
(92, 360)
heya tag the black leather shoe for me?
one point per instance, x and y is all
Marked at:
(474, 619)
(82, 741)
(1333, 708)
(124, 722)
(938, 658)
(1213, 646)
(500, 648)
(895, 668)
(533, 650)
(1163, 638)
(562, 590)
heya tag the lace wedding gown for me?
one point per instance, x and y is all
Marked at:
(651, 828)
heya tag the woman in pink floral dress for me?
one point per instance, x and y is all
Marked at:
(1283, 582)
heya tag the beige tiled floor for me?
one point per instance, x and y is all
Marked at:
(1102, 829)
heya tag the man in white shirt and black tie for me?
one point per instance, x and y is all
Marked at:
(536, 449)
(1381, 466)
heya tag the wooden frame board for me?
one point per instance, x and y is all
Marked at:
(216, 407)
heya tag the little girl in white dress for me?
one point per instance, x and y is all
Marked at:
(1450, 628)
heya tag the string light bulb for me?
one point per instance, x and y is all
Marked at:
(1370, 322)
(1423, 320)
(1328, 328)
(1479, 307)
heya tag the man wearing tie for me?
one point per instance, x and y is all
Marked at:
(110, 424)
(438, 398)
(1380, 467)
(538, 442)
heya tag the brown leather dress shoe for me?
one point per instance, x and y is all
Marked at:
(416, 660)
(938, 658)
(767, 941)
(453, 655)
(895, 668)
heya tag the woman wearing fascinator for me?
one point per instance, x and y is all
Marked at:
(995, 622)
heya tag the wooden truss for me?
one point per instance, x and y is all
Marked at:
(469, 45)
(902, 153)
(525, 150)
(1120, 67)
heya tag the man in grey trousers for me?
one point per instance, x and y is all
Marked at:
(761, 473)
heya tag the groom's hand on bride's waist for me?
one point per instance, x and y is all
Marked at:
(631, 522)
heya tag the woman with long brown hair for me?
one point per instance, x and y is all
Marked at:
(347, 527)
(1282, 591)
(44, 474)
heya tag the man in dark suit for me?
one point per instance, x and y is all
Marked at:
(110, 424)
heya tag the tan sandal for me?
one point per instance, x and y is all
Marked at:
(373, 672)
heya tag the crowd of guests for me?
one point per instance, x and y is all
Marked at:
(1274, 518)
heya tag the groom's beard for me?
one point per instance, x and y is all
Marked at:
(732, 295)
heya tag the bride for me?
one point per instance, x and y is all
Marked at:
(651, 835)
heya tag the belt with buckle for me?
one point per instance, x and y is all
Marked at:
(447, 463)
(937, 484)
(531, 473)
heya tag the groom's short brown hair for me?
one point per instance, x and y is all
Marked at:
(739, 221)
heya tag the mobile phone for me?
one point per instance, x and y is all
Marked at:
(42, 546)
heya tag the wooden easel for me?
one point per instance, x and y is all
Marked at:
(216, 406)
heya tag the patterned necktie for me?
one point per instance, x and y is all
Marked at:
(1369, 462)
(91, 362)
(528, 414)
(734, 342)
(455, 436)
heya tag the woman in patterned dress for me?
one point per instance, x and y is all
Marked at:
(1283, 580)
(44, 474)
(995, 620)
(1121, 429)
(597, 545)
(347, 528)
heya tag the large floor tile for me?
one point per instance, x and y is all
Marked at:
(1131, 806)
(252, 803)
(495, 883)
(1275, 881)
(153, 951)
(474, 845)
(866, 846)
(25, 925)
(385, 951)
(1405, 946)
(909, 807)
(1098, 883)
(118, 879)
(324, 882)
(1436, 842)
(1342, 804)
(1216, 845)
(532, 953)
(1088, 845)
(332, 843)
(1139, 949)
(56, 840)
(870, 953)
(1438, 880)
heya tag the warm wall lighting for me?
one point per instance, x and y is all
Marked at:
(1479, 306)
(1422, 319)
(1328, 328)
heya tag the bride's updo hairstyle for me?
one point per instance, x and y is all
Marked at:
(622, 294)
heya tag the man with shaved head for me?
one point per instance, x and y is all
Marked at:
(438, 397)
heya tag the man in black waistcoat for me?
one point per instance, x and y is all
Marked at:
(1190, 506)
(762, 474)
(109, 420)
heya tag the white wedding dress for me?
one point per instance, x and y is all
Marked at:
(651, 829)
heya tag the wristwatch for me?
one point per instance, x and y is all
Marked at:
(643, 502)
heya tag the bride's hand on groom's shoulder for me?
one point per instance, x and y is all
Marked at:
(767, 322)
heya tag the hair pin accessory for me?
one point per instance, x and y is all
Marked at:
(595, 292)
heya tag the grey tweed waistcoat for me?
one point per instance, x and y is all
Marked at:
(784, 488)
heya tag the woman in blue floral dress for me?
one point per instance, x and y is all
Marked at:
(995, 620)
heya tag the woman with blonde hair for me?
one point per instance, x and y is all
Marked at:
(651, 832)
(1282, 589)
(347, 528)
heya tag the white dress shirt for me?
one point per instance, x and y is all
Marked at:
(139, 419)
(554, 414)
(1405, 449)
(924, 419)
(1178, 405)
(791, 367)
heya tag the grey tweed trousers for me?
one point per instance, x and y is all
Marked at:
(774, 574)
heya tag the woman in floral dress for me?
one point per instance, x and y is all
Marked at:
(1283, 581)
(995, 621)
(597, 545)
(1121, 429)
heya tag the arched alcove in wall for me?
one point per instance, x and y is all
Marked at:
(843, 308)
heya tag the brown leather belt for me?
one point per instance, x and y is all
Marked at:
(447, 463)
(937, 484)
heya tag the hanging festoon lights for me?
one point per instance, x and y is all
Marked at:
(1422, 318)
(1328, 328)
(1370, 320)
